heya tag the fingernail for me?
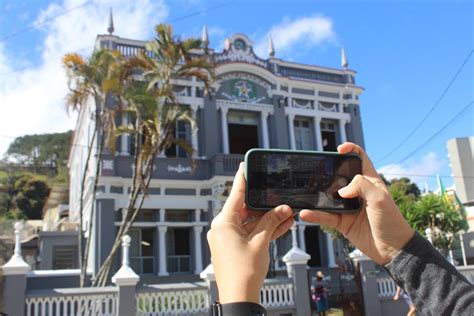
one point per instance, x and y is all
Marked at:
(284, 212)
(341, 191)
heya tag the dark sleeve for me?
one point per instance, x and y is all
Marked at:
(237, 309)
(434, 285)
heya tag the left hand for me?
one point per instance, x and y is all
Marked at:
(239, 250)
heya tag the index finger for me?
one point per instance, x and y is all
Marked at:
(236, 198)
(368, 168)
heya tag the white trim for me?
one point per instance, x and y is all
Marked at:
(243, 106)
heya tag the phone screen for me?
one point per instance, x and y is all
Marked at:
(301, 180)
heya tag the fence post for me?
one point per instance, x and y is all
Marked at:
(208, 275)
(368, 279)
(296, 264)
(126, 280)
(15, 270)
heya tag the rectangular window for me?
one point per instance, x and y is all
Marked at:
(328, 135)
(142, 259)
(178, 216)
(182, 132)
(179, 250)
(65, 257)
(243, 131)
(303, 134)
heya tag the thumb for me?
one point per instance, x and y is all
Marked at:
(360, 186)
(269, 222)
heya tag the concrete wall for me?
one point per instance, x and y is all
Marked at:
(461, 156)
(49, 240)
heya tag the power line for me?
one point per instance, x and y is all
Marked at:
(31, 27)
(90, 2)
(431, 110)
(438, 132)
(218, 6)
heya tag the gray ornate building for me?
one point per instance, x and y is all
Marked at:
(255, 102)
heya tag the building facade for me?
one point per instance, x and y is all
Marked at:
(255, 102)
(461, 158)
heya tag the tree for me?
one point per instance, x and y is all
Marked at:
(40, 152)
(438, 214)
(154, 109)
(406, 186)
(31, 196)
(91, 83)
(23, 196)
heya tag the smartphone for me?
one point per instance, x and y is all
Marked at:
(300, 179)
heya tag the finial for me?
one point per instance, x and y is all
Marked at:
(227, 44)
(125, 249)
(205, 37)
(294, 238)
(18, 226)
(344, 62)
(271, 48)
(111, 29)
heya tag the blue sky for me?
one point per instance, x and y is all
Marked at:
(405, 53)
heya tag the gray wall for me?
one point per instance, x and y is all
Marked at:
(461, 153)
(47, 242)
(354, 129)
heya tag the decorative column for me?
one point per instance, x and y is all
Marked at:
(15, 271)
(126, 280)
(291, 128)
(162, 243)
(301, 228)
(330, 247)
(317, 133)
(263, 117)
(368, 276)
(210, 277)
(198, 249)
(194, 135)
(342, 130)
(225, 132)
(124, 150)
(296, 262)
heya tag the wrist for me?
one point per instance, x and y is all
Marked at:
(239, 294)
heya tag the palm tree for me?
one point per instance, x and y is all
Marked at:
(155, 109)
(90, 82)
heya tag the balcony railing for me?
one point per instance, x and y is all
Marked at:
(143, 264)
(179, 264)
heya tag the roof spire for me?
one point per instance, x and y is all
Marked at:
(111, 29)
(205, 36)
(344, 62)
(271, 48)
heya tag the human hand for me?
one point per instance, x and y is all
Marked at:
(378, 229)
(240, 250)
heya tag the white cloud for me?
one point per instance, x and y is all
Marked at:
(292, 34)
(32, 99)
(416, 171)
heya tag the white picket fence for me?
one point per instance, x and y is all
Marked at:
(176, 299)
(386, 286)
(85, 301)
(277, 294)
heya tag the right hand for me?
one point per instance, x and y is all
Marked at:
(378, 229)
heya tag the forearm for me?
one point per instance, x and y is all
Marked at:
(433, 284)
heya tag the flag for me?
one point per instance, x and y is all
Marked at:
(442, 189)
(456, 202)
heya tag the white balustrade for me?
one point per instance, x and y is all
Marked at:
(72, 304)
(172, 302)
(386, 287)
(277, 295)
